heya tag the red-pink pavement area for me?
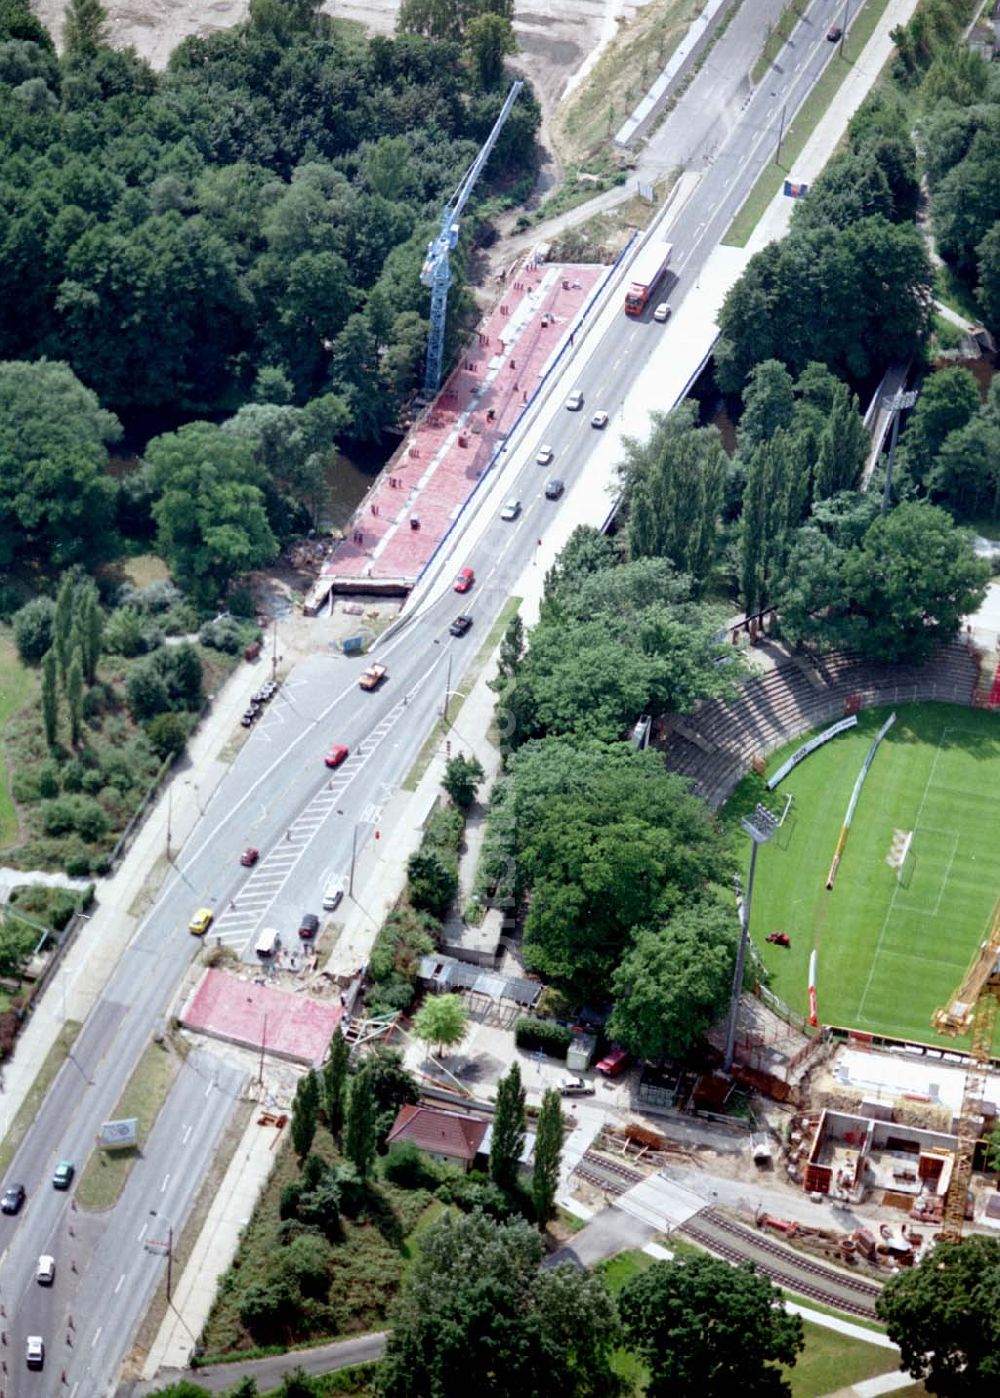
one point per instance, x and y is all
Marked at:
(297, 1026)
(451, 445)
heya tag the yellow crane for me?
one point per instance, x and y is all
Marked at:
(973, 1006)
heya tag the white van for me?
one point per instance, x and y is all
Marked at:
(268, 943)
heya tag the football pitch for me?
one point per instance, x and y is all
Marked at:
(891, 947)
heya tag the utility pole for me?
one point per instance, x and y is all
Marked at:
(170, 1257)
(274, 649)
(447, 692)
(781, 134)
(263, 1041)
(354, 854)
(843, 27)
(170, 793)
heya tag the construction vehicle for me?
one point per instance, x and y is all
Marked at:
(973, 1006)
(373, 676)
(647, 272)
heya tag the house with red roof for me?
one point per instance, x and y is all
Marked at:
(451, 1138)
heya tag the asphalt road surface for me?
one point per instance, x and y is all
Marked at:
(280, 797)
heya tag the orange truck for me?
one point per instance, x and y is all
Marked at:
(647, 272)
(373, 676)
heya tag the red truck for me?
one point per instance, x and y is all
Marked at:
(647, 272)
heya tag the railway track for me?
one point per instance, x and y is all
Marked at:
(610, 1175)
(815, 1280)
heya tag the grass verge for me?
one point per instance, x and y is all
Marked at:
(777, 36)
(355, 1382)
(805, 123)
(104, 1176)
(832, 1361)
(441, 730)
(44, 1078)
(17, 685)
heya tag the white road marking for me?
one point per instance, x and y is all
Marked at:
(97, 1336)
(142, 1232)
(187, 1136)
(163, 1186)
(121, 1282)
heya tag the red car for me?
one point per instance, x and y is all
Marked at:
(249, 857)
(464, 580)
(337, 754)
(615, 1061)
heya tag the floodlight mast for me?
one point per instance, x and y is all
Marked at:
(760, 827)
(436, 271)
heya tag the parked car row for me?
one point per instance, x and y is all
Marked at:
(263, 696)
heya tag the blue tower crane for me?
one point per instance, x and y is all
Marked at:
(436, 271)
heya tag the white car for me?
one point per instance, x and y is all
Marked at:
(545, 454)
(575, 401)
(333, 893)
(662, 312)
(45, 1273)
(599, 419)
(511, 510)
(34, 1352)
(576, 1087)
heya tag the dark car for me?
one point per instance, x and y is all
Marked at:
(460, 625)
(553, 489)
(308, 925)
(337, 754)
(834, 33)
(249, 857)
(13, 1197)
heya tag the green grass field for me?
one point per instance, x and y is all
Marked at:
(890, 948)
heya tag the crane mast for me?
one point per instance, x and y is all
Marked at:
(973, 1006)
(436, 271)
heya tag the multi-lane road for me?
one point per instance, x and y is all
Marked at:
(280, 797)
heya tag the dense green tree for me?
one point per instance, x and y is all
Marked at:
(843, 446)
(63, 633)
(432, 881)
(442, 1020)
(948, 400)
(943, 1316)
(607, 841)
(83, 28)
(906, 587)
(305, 1112)
(89, 630)
(392, 1087)
(774, 498)
(967, 202)
(167, 734)
(965, 475)
(507, 1143)
(56, 499)
(74, 698)
(673, 486)
(34, 625)
(668, 1310)
(335, 1078)
(768, 403)
(146, 692)
(851, 186)
(489, 38)
(511, 648)
(359, 1134)
(854, 299)
(462, 776)
(50, 697)
(209, 507)
(547, 1157)
(674, 982)
(477, 1313)
(988, 266)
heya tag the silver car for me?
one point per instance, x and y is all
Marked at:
(511, 510)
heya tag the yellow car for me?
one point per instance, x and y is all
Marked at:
(201, 922)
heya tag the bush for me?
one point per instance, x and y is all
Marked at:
(224, 635)
(26, 785)
(167, 734)
(181, 620)
(553, 1039)
(79, 813)
(130, 633)
(240, 603)
(151, 600)
(33, 629)
(48, 779)
(408, 1167)
(78, 865)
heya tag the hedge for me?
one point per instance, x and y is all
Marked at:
(544, 1034)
